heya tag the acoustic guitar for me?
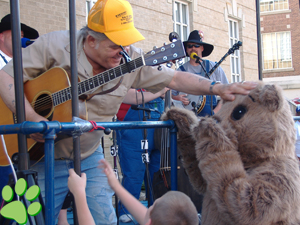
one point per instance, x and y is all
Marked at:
(50, 93)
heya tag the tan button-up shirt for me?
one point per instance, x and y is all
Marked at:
(53, 50)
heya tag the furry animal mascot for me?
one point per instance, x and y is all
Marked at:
(243, 160)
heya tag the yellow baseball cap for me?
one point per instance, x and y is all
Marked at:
(114, 18)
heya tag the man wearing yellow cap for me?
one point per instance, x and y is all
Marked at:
(110, 24)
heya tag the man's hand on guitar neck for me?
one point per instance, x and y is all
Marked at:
(34, 117)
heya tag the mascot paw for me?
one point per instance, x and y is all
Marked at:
(183, 119)
(209, 127)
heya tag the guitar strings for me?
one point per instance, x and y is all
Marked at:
(47, 101)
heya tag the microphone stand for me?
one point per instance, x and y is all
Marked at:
(236, 46)
(207, 76)
(114, 154)
(144, 143)
(145, 155)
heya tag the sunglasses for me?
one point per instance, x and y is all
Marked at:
(190, 46)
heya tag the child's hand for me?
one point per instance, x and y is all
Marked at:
(76, 183)
(107, 169)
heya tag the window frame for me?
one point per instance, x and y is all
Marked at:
(180, 22)
(276, 49)
(235, 58)
(272, 4)
(89, 4)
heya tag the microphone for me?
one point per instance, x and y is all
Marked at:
(26, 42)
(194, 56)
(136, 107)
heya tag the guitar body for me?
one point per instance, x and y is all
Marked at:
(39, 94)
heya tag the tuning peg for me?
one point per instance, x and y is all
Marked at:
(154, 47)
(165, 43)
(180, 62)
(169, 64)
(173, 36)
(159, 68)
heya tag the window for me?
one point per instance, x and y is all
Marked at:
(181, 19)
(89, 5)
(273, 5)
(235, 57)
(277, 52)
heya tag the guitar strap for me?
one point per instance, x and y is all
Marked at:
(207, 67)
(107, 91)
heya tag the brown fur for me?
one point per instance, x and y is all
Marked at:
(243, 163)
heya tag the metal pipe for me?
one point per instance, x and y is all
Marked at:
(28, 127)
(173, 150)
(259, 54)
(74, 90)
(74, 81)
(49, 177)
(18, 81)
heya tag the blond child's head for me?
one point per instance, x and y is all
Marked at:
(173, 208)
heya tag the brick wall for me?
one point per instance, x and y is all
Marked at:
(285, 21)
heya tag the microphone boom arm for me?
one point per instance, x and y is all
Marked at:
(236, 46)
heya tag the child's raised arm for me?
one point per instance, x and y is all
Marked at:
(77, 186)
(136, 209)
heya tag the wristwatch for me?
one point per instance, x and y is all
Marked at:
(212, 85)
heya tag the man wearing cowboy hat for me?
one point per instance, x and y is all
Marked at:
(200, 104)
(6, 55)
(6, 38)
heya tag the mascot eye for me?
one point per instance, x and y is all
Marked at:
(238, 112)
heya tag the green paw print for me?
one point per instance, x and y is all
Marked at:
(16, 210)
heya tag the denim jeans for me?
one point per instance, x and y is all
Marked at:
(130, 152)
(98, 192)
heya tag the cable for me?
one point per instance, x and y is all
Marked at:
(10, 163)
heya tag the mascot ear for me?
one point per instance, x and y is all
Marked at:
(271, 98)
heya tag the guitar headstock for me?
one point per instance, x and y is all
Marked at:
(172, 51)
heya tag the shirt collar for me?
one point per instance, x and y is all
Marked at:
(5, 56)
(81, 57)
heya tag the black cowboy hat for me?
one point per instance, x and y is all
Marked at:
(194, 37)
(29, 32)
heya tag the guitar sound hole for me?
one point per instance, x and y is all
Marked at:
(43, 105)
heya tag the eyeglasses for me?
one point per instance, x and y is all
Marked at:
(195, 45)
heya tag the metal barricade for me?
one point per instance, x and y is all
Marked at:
(49, 129)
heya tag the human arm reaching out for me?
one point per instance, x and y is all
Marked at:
(182, 98)
(133, 97)
(197, 85)
(77, 186)
(136, 209)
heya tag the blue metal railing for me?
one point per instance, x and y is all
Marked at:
(50, 129)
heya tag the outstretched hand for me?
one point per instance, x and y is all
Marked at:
(227, 91)
(107, 169)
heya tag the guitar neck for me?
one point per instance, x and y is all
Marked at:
(97, 80)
